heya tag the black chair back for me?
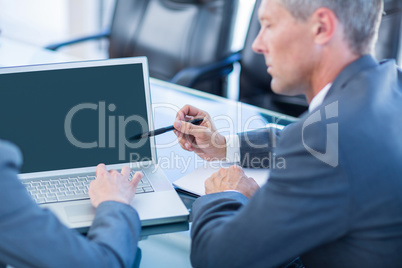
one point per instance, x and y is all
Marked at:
(389, 37)
(174, 34)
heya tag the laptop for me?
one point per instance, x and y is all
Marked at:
(67, 118)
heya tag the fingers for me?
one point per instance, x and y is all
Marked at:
(186, 142)
(183, 142)
(100, 169)
(191, 137)
(136, 178)
(224, 179)
(189, 110)
(125, 171)
(236, 169)
(177, 125)
(189, 129)
(114, 173)
(209, 183)
(235, 173)
(222, 172)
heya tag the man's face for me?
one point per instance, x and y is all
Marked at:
(287, 45)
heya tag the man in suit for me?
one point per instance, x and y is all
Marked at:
(34, 237)
(337, 200)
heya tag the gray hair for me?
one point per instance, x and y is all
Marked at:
(360, 19)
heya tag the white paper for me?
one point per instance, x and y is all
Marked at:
(194, 181)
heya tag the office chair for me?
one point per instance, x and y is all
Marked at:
(179, 37)
(255, 82)
(389, 38)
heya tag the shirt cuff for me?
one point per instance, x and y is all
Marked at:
(232, 148)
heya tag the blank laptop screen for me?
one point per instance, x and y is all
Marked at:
(73, 118)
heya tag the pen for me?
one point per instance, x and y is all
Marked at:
(158, 131)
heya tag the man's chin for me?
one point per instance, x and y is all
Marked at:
(277, 88)
(284, 90)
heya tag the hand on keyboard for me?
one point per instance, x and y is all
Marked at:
(113, 185)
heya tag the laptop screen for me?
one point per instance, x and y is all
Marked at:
(65, 118)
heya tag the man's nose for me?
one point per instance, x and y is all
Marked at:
(258, 45)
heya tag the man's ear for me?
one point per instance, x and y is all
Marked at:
(325, 24)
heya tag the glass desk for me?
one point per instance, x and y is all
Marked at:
(168, 246)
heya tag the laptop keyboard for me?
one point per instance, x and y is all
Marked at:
(50, 190)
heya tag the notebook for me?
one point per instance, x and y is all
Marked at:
(67, 118)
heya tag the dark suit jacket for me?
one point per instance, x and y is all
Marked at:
(338, 200)
(34, 237)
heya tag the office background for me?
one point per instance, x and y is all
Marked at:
(45, 22)
(76, 18)
(28, 21)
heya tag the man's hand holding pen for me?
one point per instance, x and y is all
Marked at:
(203, 139)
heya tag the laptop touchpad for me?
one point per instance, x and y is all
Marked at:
(80, 213)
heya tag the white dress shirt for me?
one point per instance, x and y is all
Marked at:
(319, 98)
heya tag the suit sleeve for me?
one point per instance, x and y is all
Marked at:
(34, 237)
(256, 147)
(303, 205)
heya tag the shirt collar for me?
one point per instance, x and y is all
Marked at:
(319, 98)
